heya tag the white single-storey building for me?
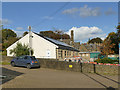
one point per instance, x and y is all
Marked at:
(45, 47)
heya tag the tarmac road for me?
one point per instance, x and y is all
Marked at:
(50, 78)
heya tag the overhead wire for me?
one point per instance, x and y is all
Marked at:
(54, 13)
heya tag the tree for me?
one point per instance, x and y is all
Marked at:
(25, 33)
(8, 38)
(7, 33)
(9, 42)
(116, 39)
(95, 40)
(108, 44)
(55, 35)
(21, 50)
(112, 41)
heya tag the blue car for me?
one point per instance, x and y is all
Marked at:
(26, 61)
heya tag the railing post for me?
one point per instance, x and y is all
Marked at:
(81, 67)
(94, 68)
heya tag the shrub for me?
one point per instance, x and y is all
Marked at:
(106, 60)
(20, 50)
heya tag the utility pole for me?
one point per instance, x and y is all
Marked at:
(30, 40)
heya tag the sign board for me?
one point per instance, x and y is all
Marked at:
(48, 53)
(70, 66)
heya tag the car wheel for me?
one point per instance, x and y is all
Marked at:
(28, 66)
(13, 64)
(38, 66)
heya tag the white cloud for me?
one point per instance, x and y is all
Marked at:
(19, 28)
(84, 33)
(86, 11)
(70, 11)
(110, 12)
(5, 21)
(48, 17)
(19, 33)
(83, 11)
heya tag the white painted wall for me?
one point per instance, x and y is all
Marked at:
(42, 48)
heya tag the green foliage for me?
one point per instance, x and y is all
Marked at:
(116, 40)
(4, 63)
(95, 40)
(21, 50)
(6, 33)
(55, 35)
(108, 44)
(112, 41)
(8, 42)
(25, 33)
(106, 60)
(8, 38)
(4, 53)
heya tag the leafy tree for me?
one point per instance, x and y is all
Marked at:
(9, 42)
(25, 33)
(21, 50)
(8, 37)
(114, 40)
(95, 40)
(108, 44)
(55, 35)
(7, 33)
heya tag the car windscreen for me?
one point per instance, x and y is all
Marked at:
(33, 57)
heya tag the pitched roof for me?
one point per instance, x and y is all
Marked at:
(61, 45)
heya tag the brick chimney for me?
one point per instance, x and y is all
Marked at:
(72, 37)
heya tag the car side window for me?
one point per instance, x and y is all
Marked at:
(25, 57)
(21, 57)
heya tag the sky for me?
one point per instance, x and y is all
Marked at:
(87, 19)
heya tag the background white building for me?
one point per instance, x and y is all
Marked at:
(44, 47)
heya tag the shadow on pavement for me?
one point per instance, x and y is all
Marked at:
(107, 88)
(10, 74)
(108, 78)
(26, 67)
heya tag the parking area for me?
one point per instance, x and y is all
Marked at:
(50, 78)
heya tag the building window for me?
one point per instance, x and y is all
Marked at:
(61, 54)
(65, 53)
(69, 53)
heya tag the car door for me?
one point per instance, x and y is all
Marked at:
(20, 61)
(17, 61)
(24, 61)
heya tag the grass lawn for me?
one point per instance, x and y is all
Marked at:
(4, 63)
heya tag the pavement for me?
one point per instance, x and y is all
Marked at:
(20, 77)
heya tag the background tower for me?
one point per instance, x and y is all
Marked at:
(72, 37)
